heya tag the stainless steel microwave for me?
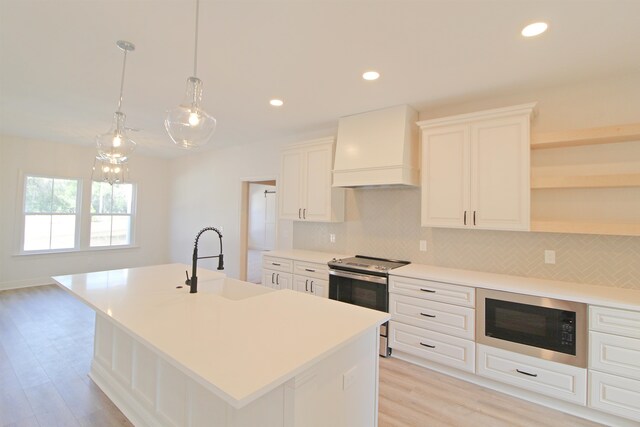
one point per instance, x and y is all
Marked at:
(547, 328)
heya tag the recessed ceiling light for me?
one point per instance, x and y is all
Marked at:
(277, 102)
(371, 75)
(534, 29)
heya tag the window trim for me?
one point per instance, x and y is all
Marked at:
(22, 214)
(83, 217)
(132, 215)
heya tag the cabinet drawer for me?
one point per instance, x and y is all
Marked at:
(434, 291)
(613, 394)
(445, 318)
(614, 354)
(447, 350)
(279, 264)
(614, 321)
(311, 269)
(542, 376)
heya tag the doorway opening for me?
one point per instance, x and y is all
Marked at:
(258, 226)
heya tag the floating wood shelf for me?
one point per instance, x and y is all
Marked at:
(617, 229)
(586, 181)
(572, 138)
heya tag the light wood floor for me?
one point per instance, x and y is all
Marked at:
(46, 344)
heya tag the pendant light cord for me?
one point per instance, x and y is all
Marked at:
(195, 51)
(124, 65)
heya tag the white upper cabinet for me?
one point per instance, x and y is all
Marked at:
(305, 183)
(475, 170)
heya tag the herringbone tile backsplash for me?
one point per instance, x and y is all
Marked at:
(385, 222)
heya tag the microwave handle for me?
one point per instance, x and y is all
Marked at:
(356, 276)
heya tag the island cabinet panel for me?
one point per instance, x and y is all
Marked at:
(172, 392)
(144, 380)
(155, 392)
(542, 376)
(341, 384)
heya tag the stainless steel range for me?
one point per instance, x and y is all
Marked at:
(364, 281)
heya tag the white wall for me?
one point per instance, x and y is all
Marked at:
(20, 156)
(206, 191)
(386, 222)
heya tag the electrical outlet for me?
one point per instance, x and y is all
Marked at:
(332, 238)
(549, 256)
(348, 378)
(423, 245)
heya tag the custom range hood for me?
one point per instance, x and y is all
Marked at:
(378, 148)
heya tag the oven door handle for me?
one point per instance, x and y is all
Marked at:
(357, 276)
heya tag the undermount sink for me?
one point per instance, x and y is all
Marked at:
(232, 289)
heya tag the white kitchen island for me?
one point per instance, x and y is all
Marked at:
(234, 354)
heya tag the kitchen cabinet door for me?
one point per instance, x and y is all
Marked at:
(318, 162)
(305, 187)
(475, 170)
(500, 173)
(445, 177)
(277, 279)
(320, 288)
(290, 184)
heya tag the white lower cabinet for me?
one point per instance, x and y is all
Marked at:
(311, 285)
(616, 395)
(542, 376)
(445, 318)
(311, 278)
(614, 361)
(277, 272)
(433, 320)
(433, 346)
(277, 280)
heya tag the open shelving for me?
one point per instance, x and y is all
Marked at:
(601, 196)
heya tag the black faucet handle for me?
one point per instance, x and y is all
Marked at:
(188, 281)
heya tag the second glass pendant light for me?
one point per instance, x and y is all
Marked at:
(188, 124)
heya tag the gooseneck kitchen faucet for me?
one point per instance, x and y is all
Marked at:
(193, 282)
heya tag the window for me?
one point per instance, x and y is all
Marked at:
(111, 214)
(50, 213)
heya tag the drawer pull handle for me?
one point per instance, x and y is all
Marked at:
(427, 345)
(428, 290)
(310, 270)
(526, 373)
(276, 263)
(428, 315)
(306, 285)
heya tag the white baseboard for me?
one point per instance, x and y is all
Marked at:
(17, 284)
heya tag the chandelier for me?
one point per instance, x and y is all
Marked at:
(115, 146)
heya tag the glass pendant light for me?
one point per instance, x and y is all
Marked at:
(188, 124)
(108, 171)
(115, 146)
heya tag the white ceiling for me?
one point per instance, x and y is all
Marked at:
(60, 67)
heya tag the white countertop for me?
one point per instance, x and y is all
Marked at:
(304, 255)
(588, 294)
(239, 349)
